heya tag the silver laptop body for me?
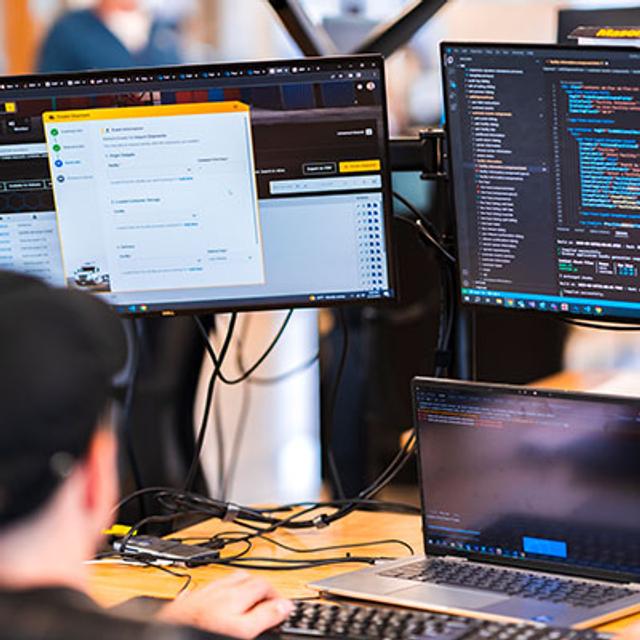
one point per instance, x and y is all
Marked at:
(519, 487)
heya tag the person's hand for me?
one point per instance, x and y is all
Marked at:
(239, 605)
(630, 633)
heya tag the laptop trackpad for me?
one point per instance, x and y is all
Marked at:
(446, 597)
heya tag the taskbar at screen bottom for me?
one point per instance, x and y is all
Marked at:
(254, 304)
(586, 308)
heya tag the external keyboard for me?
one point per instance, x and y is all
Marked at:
(578, 593)
(371, 623)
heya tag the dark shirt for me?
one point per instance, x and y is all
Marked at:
(64, 614)
(79, 40)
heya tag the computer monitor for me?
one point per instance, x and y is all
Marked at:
(545, 167)
(235, 186)
(571, 19)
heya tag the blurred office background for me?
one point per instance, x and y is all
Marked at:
(218, 30)
(387, 347)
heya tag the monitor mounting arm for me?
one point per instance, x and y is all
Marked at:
(425, 153)
(389, 36)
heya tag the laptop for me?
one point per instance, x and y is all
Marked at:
(530, 507)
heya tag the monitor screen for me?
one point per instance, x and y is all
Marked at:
(235, 186)
(545, 165)
(529, 476)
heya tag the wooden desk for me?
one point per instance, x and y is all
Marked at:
(113, 584)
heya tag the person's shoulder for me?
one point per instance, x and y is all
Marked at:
(70, 39)
(80, 18)
(62, 614)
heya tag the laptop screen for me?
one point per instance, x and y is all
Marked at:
(530, 477)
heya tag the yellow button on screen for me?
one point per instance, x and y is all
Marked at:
(10, 107)
(357, 166)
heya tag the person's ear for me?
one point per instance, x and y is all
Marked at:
(101, 488)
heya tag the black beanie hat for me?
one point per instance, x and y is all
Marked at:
(59, 351)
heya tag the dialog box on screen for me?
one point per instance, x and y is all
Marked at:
(156, 197)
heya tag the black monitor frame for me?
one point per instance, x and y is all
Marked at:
(10, 84)
(610, 320)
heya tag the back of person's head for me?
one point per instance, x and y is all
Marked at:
(59, 351)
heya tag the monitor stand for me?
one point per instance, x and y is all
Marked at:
(279, 454)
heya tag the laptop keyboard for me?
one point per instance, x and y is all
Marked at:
(512, 583)
(361, 622)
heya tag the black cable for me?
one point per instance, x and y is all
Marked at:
(217, 364)
(425, 227)
(445, 329)
(241, 427)
(474, 344)
(261, 513)
(337, 547)
(599, 326)
(246, 397)
(452, 305)
(331, 405)
(148, 561)
(281, 377)
(247, 372)
(247, 563)
(247, 516)
(442, 322)
(368, 505)
(418, 213)
(182, 502)
(349, 506)
(177, 574)
(126, 422)
(447, 293)
(135, 494)
(224, 535)
(242, 536)
(220, 446)
(260, 563)
(266, 563)
(243, 415)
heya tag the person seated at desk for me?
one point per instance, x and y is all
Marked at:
(111, 34)
(58, 481)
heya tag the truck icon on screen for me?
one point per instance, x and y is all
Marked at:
(90, 276)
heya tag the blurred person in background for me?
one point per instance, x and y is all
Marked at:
(115, 34)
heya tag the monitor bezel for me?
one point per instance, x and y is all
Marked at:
(272, 303)
(610, 319)
(421, 382)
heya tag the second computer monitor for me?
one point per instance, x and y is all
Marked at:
(544, 147)
(234, 186)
